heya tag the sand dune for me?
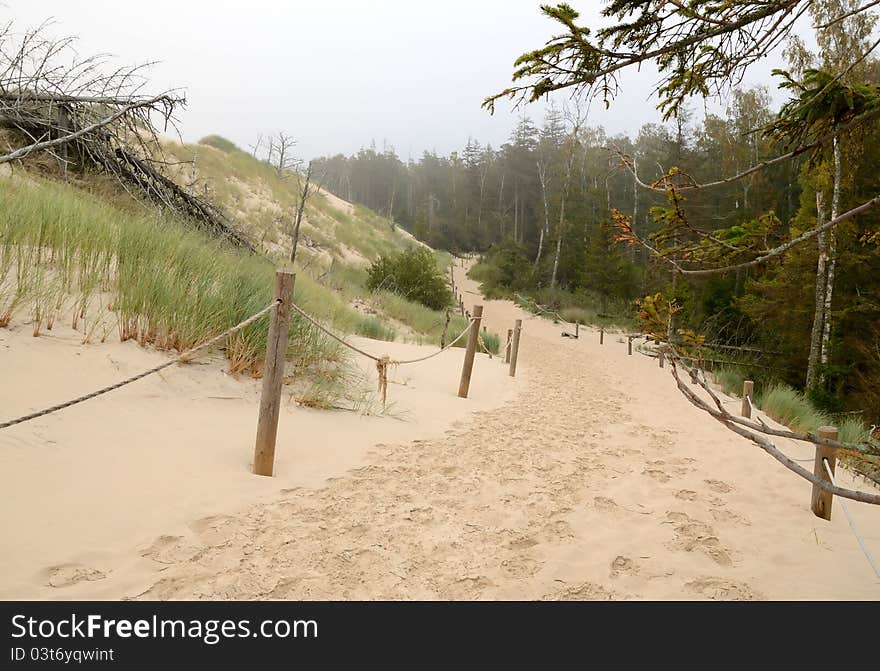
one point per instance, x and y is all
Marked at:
(587, 477)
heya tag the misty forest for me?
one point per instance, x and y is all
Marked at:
(564, 212)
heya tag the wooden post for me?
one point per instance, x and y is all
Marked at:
(273, 374)
(577, 330)
(661, 358)
(748, 388)
(468, 366)
(820, 502)
(461, 305)
(601, 336)
(509, 346)
(514, 347)
(629, 345)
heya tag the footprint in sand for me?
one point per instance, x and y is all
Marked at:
(719, 486)
(65, 575)
(686, 495)
(586, 591)
(721, 514)
(520, 567)
(691, 535)
(623, 565)
(657, 474)
(170, 550)
(215, 530)
(721, 589)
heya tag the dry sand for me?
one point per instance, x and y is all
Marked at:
(95, 497)
(586, 477)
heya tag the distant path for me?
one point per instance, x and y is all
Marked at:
(597, 482)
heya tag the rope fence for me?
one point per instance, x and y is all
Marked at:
(185, 357)
(543, 310)
(273, 375)
(382, 362)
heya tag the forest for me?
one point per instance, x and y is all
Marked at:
(565, 212)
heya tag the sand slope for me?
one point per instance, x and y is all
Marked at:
(597, 480)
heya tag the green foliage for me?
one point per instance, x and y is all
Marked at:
(822, 103)
(492, 342)
(730, 380)
(505, 267)
(221, 143)
(370, 327)
(413, 274)
(64, 252)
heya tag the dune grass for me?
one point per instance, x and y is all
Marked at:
(492, 342)
(795, 410)
(64, 252)
(731, 380)
(790, 407)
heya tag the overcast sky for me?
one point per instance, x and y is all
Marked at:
(336, 73)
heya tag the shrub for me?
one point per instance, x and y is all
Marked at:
(413, 274)
(505, 267)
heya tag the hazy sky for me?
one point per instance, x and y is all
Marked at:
(335, 73)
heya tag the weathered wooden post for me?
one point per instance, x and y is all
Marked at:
(514, 347)
(601, 336)
(629, 345)
(508, 346)
(821, 500)
(273, 374)
(461, 305)
(748, 388)
(468, 366)
(661, 358)
(577, 330)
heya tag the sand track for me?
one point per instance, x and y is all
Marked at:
(596, 481)
(566, 492)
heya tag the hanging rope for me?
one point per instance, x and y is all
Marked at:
(382, 362)
(483, 345)
(382, 368)
(852, 524)
(542, 310)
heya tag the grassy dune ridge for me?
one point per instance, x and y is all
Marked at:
(83, 252)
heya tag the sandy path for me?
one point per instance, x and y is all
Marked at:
(597, 481)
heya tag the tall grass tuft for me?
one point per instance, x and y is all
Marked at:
(790, 407)
(167, 286)
(730, 379)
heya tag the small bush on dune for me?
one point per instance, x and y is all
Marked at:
(413, 274)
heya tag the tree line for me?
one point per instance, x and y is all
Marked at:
(556, 205)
